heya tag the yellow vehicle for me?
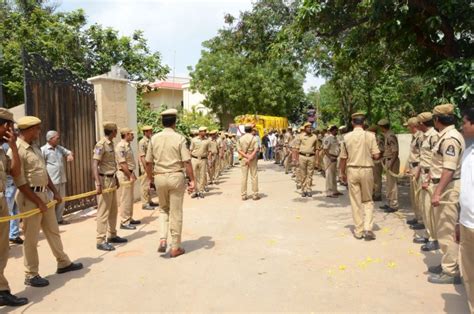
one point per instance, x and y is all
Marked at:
(263, 123)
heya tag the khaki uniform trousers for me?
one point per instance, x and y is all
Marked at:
(107, 211)
(171, 195)
(212, 169)
(360, 186)
(467, 263)
(378, 169)
(415, 197)
(145, 190)
(446, 217)
(4, 244)
(331, 176)
(125, 194)
(427, 210)
(392, 184)
(61, 188)
(306, 172)
(32, 226)
(288, 161)
(246, 168)
(200, 173)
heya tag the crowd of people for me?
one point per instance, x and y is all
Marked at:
(439, 168)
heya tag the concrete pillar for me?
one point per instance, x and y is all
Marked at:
(116, 100)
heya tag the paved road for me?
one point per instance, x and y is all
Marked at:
(282, 253)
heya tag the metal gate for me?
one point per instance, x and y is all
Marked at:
(64, 103)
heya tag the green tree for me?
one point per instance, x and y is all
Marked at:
(64, 39)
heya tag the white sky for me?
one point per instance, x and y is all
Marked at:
(175, 28)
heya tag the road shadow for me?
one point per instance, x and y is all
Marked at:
(456, 303)
(135, 236)
(204, 242)
(213, 193)
(56, 281)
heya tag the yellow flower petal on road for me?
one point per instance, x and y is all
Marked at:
(342, 267)
(385, 230)
(298, 217)
(272, 242)
(411, 252)
(239, 237)
(391, 265)
(362, 264)
(369, 259)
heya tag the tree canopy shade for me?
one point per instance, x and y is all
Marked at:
(238, 71)
(67, 41)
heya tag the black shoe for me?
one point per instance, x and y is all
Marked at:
(71, 267)
(390, 210)
(63, 222)
(303, 194)
(430, 246)
(135, 222)
(36, 281)
(375, 198)
(6, 298)
(417, 226)
(384, 206)
(162, 247)
(17, 240)
(116, 239)
(206, 189)
(105, 247)
(201, 195)
(369, 236)
(153, 204)
(195, 195)
(309, 194)
(412, 221)
(148, 207)
(127, 227)
(444, 279)
(435, 269)
(420, 240)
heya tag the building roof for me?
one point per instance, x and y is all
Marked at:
(167, 85)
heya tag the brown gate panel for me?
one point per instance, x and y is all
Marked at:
(64, 103)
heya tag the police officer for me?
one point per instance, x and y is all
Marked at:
(212, 162)
(10, 166)
(413, 169)
(357, 155)
(287, 139)
(392, 163)
(247, 148)
(147, 202)
(199, 155)
(104, 170)
(126, 178)
(331, 153)
(304, 154)
(170, 158)
(429, 139)
(445, 174)
(33, 183)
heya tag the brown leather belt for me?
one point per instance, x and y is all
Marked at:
(307, 155)
(107, 175)
(436, 181)
(38, 188)
(414, 164)
(199, 157)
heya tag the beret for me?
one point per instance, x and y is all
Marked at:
(446, 109)
(110, 126)
(169, 112)
(27, 122)
(6, 114)
(425, 116)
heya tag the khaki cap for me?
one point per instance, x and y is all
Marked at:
(147, 128)
(412, 121)
(110, 126)
(372, 128)
(358, 115)
(6, 114)
(306, 124)
(342, 127)
(202, 129)
(425, 116)
(383, 122)
(169, 112)
(446, 109)
(27, 122)
(213, 132)
(193, 131)
(125, 130)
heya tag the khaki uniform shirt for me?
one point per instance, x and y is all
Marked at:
(213, 147)
(415, 147)
(142, 149)
(331, 145)
(199, 147)
(124, 153)
(104, 152)
(306, 144)
(447, 153)
(247, 143)
(390, 145)
(5, 166)
(168, 151)
(429, 140)
(33, 167)
(358, 148)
